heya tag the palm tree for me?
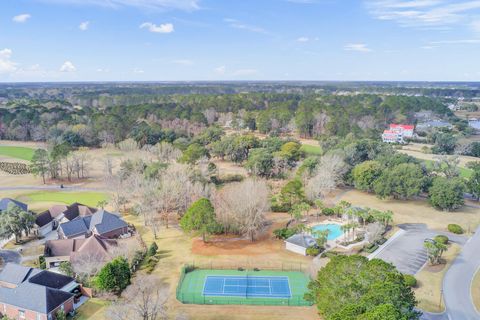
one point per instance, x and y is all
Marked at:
(434, 250)
(364, 214)
(354, 225)
(319, 205)
(345, 228)
(321, 237)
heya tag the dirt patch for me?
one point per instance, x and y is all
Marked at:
(435, 268)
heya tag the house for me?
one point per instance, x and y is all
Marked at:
(299, 243)
(62, 250)
(433, 124)
(397, 133)
(34, 294)
(102, 223)
(49, 220)
(5, 202)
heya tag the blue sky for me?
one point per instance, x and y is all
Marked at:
(169, 40)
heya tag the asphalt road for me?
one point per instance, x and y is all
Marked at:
(407, 251)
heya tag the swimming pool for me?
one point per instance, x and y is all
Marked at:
(334, 230)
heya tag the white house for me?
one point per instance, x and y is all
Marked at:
(397, 133)
(299, 243)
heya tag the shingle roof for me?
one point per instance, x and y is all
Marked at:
(78, 209)
(302, 240)
(6, 201)
(75, 227)
(105, 221)
(94, 245)
(43, 218)
(101, 220)
(35, 290)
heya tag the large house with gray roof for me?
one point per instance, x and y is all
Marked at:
(34, 294)
(101, 223)
(50, 219)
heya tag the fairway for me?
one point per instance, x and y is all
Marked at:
(263, 287)
(23, 153)
(86, 198)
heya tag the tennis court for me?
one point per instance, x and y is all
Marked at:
(247, 286)
(264, 287)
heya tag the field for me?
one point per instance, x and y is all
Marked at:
(464, 172)
(416, 211)
(23, 153)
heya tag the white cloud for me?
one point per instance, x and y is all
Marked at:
(475, 25)
(183, 62)
(138, 71)
(21, 18)
(244, 72)
(359, 47)
(438, 14)
(84, 25)
(68, 66)
(242, 26)
(6, 64)
(163, 28)
(220, 70)
(186, 5)
(303, 39)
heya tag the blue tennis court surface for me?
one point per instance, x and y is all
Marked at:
(247, 286)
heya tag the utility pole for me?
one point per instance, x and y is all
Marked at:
(441, 299)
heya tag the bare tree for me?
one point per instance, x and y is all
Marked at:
(166, 152)
(447, 165)
(375, 231)
(244, 204)
(145, 299)
(328, 176)
(128, 145)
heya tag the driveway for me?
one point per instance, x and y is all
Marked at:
(407, 252)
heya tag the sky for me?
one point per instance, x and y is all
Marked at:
(217, 40)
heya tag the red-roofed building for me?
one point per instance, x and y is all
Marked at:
(397, 133)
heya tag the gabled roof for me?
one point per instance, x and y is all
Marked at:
(75, 227)
(94, 245)
(105, 221)
(46, 217)
(35, 289)
(101, 220)
(5, 202)
(78, 209)
(302, 240)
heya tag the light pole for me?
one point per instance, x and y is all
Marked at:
(441, 299)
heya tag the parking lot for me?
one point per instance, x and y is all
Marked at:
(407, 252)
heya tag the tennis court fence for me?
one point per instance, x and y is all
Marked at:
(195, 298)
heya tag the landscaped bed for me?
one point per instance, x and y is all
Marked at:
(263, 287)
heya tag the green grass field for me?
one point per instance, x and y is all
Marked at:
(23, 153)
(311, 150)
(190, 290)
(87, 198)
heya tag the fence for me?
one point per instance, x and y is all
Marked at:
(191, 291)
(250, 265)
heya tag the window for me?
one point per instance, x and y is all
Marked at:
(21, 314)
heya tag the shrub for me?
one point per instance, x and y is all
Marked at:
(381, 241)
(441, 239)
(455, 228)
(152, 250)
(284, 233)
(371, 249)
(42, 263)
(328, 211)
(410, 280)
(137, 260)
(313, 251)
(151, 264)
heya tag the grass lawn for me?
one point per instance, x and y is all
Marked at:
(93, 309)
(87, 198)
(476, 290)
(311, 150)
(430, 282)
(23, 153)
(415, 211)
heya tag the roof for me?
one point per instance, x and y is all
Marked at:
(47, 216)
(78, 209)
(94, 245)
(302, 240)
(35, 289)
(75, 227)
(5, 202)
(103, 221)
(402, 126)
